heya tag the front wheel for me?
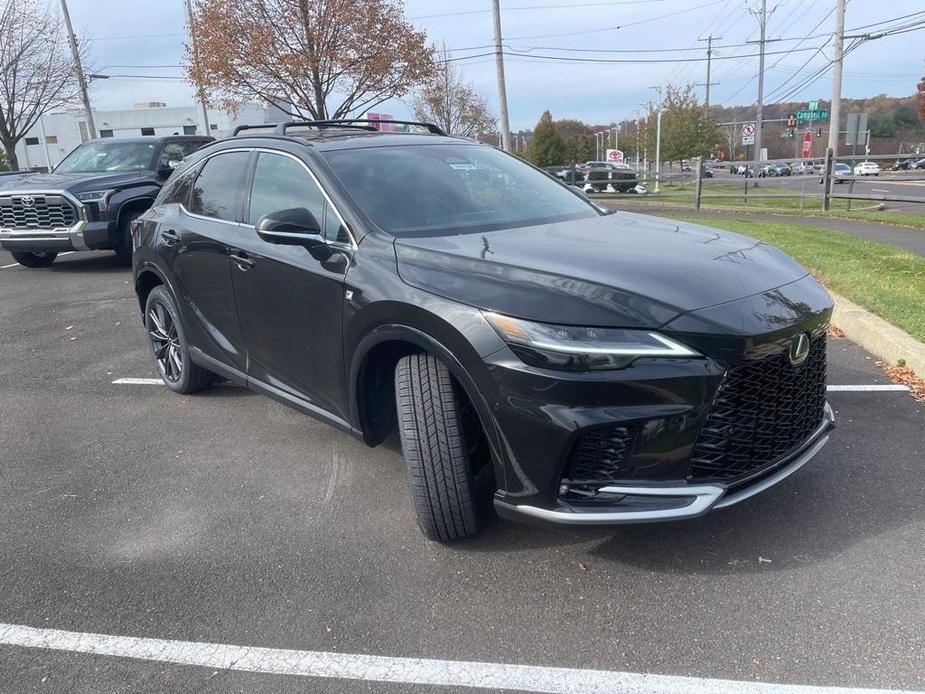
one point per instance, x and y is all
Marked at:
(434, 447)
(34, 259)
(124, 242)
(169, 345)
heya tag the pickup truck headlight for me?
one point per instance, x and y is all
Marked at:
(100, 197)
(575, 348)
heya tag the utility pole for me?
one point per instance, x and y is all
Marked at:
(710, 39)
(762, 15)
(837, 64)
(81, 80)
(502, 90)
(202, 96)
(658, 139)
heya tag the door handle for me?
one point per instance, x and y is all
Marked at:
(170, 237)
(242, 260)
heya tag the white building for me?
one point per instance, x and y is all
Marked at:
(56, 134)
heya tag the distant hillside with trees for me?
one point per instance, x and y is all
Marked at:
(897, 124)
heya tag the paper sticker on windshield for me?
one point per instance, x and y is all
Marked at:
(464, 167)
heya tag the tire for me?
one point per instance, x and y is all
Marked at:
(434, 448)
(170, 347)
(124, 246)
(39, 259)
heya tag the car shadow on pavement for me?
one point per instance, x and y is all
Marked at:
(806, 520)
(103, 262)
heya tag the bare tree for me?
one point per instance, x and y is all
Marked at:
(326, 58)
(452, 103)
(37, 72)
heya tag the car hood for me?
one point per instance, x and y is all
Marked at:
(73, 183)
(623, 269)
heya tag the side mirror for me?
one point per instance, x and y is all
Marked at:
(167, 168)
(293, 227)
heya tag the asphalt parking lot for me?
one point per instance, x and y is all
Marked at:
(226, 518)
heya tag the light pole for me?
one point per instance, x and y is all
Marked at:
(658, 139)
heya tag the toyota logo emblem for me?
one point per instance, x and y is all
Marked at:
(27, 201)
(799, 349)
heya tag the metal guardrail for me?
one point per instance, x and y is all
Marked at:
(752, 185)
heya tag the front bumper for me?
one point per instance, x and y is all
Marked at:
(83, 235)
(646, 504)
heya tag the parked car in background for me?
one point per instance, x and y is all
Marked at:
(782, 169)
(89, 200)
(581, 366)
(706, 172)
(840, 173)
(801, 168)
(903, 165)
(867, 168)
(920, 164)
(767, 171)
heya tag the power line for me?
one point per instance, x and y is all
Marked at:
(620, 26)
(609, 3)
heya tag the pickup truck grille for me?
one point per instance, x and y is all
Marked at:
(36, 212)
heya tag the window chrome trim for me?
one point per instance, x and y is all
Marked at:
(338, 244)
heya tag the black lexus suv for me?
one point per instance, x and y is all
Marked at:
(90, 199)
(587, 367)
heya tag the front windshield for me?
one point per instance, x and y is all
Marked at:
(99, 157)
(425, 190)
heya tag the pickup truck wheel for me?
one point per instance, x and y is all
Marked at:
(37, 259)
(169, 345)
(434, 448)
(124, 248)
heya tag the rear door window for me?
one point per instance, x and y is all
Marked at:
(219, 189)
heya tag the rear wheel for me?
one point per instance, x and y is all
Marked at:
(34, 259)
(434, 447)
(169, 345)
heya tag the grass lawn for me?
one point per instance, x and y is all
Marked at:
(885, 280)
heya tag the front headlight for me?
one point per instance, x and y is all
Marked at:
(100, 197)
(582, 349)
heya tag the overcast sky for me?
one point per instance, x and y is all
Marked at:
(145, 37)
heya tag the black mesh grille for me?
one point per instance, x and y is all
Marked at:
(765, 409)
(599, 453)
(36, 212)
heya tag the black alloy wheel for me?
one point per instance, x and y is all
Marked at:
(169, 346)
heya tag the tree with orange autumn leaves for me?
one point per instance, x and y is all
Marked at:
(328, 59)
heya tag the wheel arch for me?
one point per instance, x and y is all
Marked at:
(372, 387)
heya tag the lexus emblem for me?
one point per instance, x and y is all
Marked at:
(27, 200)
(799, 349)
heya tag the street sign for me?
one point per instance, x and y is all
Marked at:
(813, 105)
(615, 156)
(813, 114)
(807, 150)
(748, 133)
(856, 128)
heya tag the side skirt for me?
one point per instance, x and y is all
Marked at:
(240, 378)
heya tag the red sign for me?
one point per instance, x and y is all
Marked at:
(807, 145)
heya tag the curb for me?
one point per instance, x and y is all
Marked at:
(883, 340)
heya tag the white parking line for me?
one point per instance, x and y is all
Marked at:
(412, 671)
(831, 389)
(868, 388)
(7, 267)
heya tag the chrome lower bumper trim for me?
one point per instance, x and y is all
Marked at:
(702, 498)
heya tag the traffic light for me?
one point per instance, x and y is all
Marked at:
(792, 121)
(790, 133)
(818, 132)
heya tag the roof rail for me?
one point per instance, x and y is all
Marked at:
(281, 128)
(357, 123)
(252, 127)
